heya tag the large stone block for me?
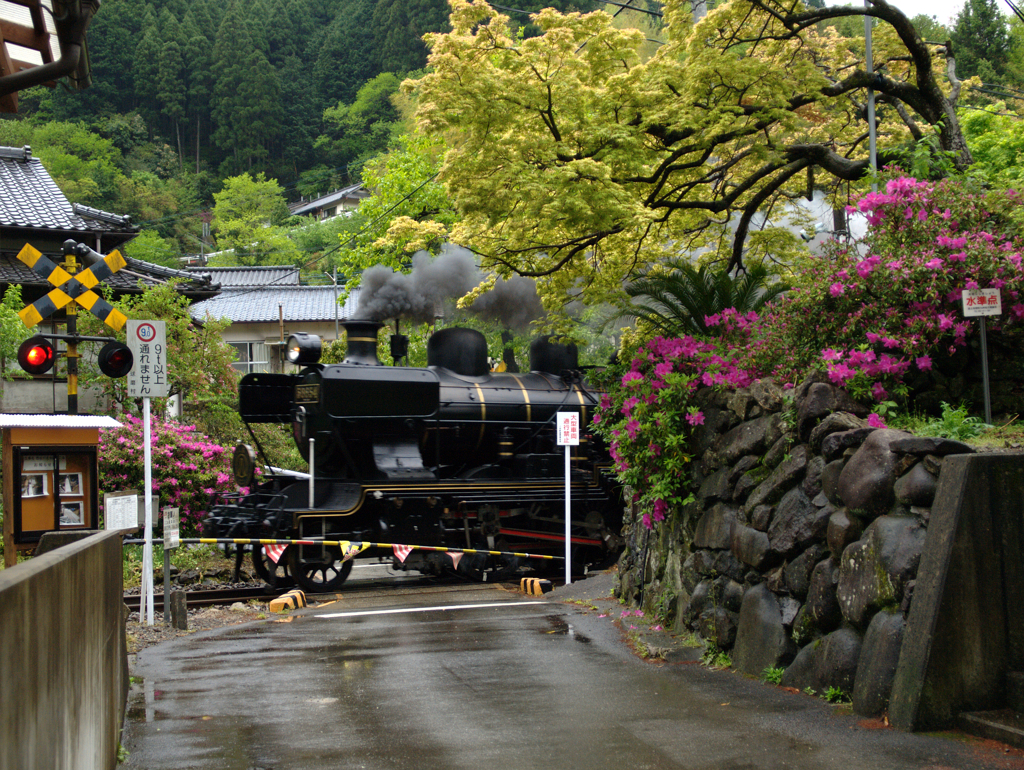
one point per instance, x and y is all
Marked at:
(716, 487)
(837, 422)
(827, 662)
(811, 484)
(768, 394)
(830, 481)
(798, 571)
(796, 523)
(822, 605)
(751, 437)
(718, 625)
(916, 487)
(780, 480)
(835, 444)
(714, 529)
(866, 483)
(875, 570)
(822, 399)
(751, 547)
(877, 667)
(761, 638)
(843, 529)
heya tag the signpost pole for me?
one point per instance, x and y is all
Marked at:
(568, 435)
(147, 549)
(568, 519)
(147, 341)
(984, 373)
(980, 303)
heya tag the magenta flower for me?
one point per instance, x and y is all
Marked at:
(879, 391)
(924, 363)
(695, 418)
(874, 421)
(837, 289)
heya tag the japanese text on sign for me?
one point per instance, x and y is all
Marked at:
(982, 302)
(568, 429)
(148, 343)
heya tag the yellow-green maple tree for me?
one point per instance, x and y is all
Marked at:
(573, 160)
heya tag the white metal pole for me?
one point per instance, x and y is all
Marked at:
(147, 549)
(568, 507)
(312, 450)
(868, 22)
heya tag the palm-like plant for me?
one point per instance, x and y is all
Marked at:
(677, 299)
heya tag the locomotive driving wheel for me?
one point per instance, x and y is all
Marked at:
(274, 575)
(318, 568)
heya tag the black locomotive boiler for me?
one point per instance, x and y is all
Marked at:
(449, 455)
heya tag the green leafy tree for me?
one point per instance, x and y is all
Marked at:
(981, 41)
(12, 330)
(363, 128)
(247, 217)
(408, 210)
(150, 247)
(573, 160)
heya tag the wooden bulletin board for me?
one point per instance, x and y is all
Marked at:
(53, 483)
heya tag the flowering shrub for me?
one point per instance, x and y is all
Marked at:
(868, 318)
(871, 319)
(187, 468)
(647, 417)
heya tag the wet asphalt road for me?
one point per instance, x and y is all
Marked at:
(479, 677)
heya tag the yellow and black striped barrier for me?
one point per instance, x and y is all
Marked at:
(354, 545)
(292, 600)
(535, 586)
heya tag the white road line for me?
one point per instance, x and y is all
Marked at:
(439, 608)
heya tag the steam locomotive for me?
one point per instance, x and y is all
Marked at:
(452, 455)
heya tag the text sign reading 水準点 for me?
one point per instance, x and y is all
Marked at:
(981, 302)
(148, 343)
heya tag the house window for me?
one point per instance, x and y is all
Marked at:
(252, 357)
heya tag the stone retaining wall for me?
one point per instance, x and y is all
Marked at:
(802, 548)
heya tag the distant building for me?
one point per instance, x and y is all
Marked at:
(265, 305)
(332, 204)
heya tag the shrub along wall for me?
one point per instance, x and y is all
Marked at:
(802, 547)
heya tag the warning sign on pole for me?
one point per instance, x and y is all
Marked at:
(148, 343)
(568, 436)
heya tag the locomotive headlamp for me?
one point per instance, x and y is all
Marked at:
(303, 348)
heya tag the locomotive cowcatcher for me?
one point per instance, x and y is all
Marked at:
(449, 455)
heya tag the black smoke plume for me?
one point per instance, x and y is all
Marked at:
(433, 284)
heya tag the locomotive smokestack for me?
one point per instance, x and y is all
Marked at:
(362, 342)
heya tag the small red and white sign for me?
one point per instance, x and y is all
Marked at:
(401, 551)
(982, 302)
(568, 429)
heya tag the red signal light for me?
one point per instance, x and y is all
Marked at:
(36, 355)
(116, 359)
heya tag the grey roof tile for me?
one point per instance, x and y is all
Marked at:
(232, 277)
(30, 198)
(263, 304)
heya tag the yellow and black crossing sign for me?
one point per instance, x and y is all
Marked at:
(70, 288)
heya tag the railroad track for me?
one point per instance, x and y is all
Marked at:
(205, 597)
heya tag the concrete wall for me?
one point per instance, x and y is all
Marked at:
(965, 631)
(63, 651)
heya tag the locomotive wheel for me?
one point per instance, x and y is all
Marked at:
(274, 575)
(318, 569)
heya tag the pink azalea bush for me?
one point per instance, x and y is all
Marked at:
(870, 319)
(188, 469)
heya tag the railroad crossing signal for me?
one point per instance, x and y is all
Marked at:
(72, 288)
(36, 355)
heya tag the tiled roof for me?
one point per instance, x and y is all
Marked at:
(263, 305)
(233, 277)
(30, 198)
(353, 192)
